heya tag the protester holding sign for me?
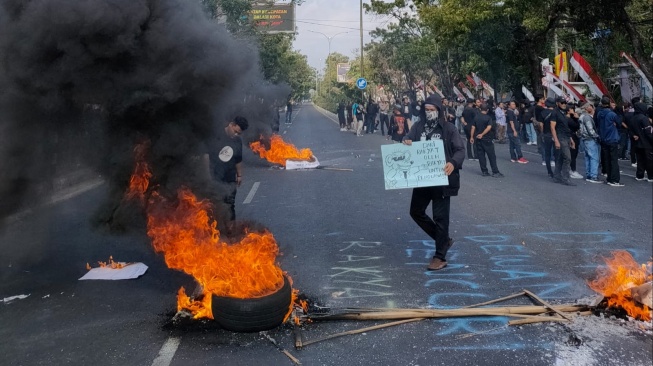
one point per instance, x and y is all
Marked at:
(433, 127)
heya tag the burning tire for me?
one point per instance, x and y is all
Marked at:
(253, 315)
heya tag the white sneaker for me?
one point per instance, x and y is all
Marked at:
(640, 179)
(575, 175)
(616, 184)
(529, 143)
(633, 165)
(534, 144)
(553, 163)
(544, 163)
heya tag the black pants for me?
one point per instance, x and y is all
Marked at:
(547, 140)
(230, 199)
(623, 143)
(384, 121)
(341, 119)
(563, 160)
(438, 226)
(644, 163)
(633, 151)
(610, 161)
(471, 153)
(484, 147)
(574, 152)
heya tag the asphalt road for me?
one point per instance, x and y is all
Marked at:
(346, 242)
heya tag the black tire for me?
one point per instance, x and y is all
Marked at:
(253, 315)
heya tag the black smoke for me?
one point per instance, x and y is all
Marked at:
(83, 81)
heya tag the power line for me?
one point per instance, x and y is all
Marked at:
(333, 26)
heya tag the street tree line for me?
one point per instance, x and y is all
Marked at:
(502, 41)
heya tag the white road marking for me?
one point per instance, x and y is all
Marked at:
(251, 194)
(167, 352)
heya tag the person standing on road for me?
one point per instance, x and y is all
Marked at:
(435, 127)
(563, 142)
(607, 124)
(590, 140)
(289, 111)
(572, 116)
(341, 115)
(384, 118)
(483, 134)
(469, 114)
(501, 123)
(529, 118)
(512, 121)
(225, 160)
(550, 153)
(398, 125)
(350, 117)
(644, 143)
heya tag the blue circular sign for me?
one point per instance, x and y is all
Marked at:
(361, 83)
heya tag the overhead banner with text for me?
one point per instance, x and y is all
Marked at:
(418, 165)
(277, 18)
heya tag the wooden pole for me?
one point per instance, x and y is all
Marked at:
(545, 304)
(496, 300)
(362, 330)
(536, 320)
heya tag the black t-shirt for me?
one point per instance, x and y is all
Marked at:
(469, 114)
(224, 154)
(547, 116)
(481, 122)
(510, 116)
(562, 124)
(538, 113)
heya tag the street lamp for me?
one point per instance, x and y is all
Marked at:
(328, 38)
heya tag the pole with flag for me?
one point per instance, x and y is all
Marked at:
(589, 75)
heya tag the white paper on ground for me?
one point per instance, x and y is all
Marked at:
(130, 271)
(9, 299)
(302, 164)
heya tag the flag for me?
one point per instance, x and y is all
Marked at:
(527, 93)
(574, 93)
(588, 75)
(487, 87)
(458, 93)
(561, 63)
(435, 89)
(477, 80)
(471, 80)
(466, 91)
(553, 87)
(639, 71)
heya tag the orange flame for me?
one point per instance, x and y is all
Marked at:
(140, 178)
(190, 242)
(614, 281)
(280, 151)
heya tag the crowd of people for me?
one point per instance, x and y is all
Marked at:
(608, 134)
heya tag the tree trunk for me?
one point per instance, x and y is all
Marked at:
(534, 68)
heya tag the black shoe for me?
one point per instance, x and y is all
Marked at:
(567, 183)
(485, 174)
(497, 175)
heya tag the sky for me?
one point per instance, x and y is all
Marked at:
(332, 18)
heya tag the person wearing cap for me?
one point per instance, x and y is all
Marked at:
(607, 123)
(549, 150)
(483, 133)
(563, 143)
(590, 140)
(433, 126)
(469, 114)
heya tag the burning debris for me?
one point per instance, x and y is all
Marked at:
(283, 153)
(625, 284)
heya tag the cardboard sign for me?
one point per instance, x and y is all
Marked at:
(419, 165)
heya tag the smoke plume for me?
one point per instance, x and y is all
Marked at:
(83, 81)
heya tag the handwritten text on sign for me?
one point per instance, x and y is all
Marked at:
(419, 165)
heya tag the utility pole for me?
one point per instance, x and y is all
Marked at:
(361, 33)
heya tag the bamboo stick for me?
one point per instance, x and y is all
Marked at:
(443, 313)
(545, 304)
(361, 330)
(496, 300)
(535, 320)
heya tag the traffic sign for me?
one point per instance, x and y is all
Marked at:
(361, 83)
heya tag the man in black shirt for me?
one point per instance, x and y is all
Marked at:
(512, 122)
(483, 133)
(469, 114)
(550, 154)
(225, 159)
(563, 142)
